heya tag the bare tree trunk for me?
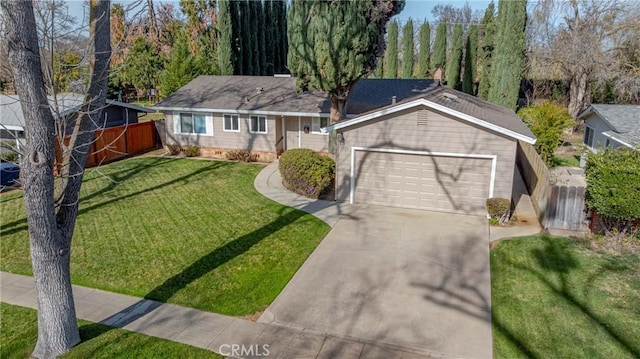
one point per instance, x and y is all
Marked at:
(579, 94)
(51, 215)
(337, 109)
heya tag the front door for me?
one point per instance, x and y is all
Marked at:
(293, 134)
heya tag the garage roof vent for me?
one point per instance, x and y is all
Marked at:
(422, 117)
(450, 96)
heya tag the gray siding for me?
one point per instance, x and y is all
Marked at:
(218, 138)
(442, 133)
(298, 139)
(599, 126)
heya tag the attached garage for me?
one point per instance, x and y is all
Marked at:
(450, 182)
(428, 154)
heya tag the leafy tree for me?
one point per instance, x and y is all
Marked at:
(225, 38)
(237, 38)
(269, 38)
(547, 121)
(470, 60)
(282, 29)
(254, 22)
(509, 53)
(407, 50)
(485, 52)
(455, 62)
(379, 71)
(391, 57)
(142, 65)
(338, 45)
(247, 37)
(613, 181)
(262, 56)
(425, 50)
(52, 204)
(439, 58)
(181, 67)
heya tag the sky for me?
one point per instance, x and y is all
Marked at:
(415, 9)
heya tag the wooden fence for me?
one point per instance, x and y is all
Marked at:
(114, 143)
(536, 177)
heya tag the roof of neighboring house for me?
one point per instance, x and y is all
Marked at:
(371, 94)
(624, 121)
(456, 103)
(12, 118)
(246, 94)
(621, 118)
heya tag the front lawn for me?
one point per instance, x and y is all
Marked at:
(189, 232)
(20, 332)
(555, 297)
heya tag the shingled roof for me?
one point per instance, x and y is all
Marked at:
(277, 95)
(624, 121)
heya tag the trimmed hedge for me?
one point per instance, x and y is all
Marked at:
(498, 208)
(307, 172)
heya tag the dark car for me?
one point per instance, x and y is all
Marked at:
(9, 173)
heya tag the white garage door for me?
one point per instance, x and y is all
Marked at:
(432, 182)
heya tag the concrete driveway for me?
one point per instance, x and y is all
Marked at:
(415, 279)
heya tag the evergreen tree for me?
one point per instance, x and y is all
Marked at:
(236, 26)
(485, 51)
(425, 50)
(455, 62)
(262, 56)
(278, 58)
(254, 27)
(225, 38)
(391, 57)
(181, 66)
(142, 65)
(470, 60)
(247, 38)
(506, 72)
(284, 47)
(269, 40)
(407, 50)
(379, 71)
(439, 58)
(338, 45)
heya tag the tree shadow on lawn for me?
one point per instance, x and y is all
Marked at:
(556, 257)
(14, 227)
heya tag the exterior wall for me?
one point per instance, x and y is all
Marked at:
(119, 116)
(442, 133)
(594, 122)
(297, 138)
(218, 139)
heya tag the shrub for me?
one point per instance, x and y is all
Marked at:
(498, 209)
(241, 155)
(613, 188)
(174, 149)
(307, 172)
(192, 151)
(547, 121)
(9, 156)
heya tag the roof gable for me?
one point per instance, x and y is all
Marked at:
(621, 118)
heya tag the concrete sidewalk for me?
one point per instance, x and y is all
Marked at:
(206, 330)
(269, 183)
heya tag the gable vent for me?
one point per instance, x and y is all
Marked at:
(422, 117)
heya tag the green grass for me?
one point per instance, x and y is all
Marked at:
(555, 297)
(20, 332)
(189, 232)
(568, 161)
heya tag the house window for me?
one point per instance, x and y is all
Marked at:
(193, 123)
(588, 136)
(607, 143)
(231, 123)
(258, 124)
(318, 123)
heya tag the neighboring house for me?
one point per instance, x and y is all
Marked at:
(405, 143)
(611, 126)
(65, 105)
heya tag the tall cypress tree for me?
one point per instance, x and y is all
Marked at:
(254, 27)
(225, 38)
(485, 51)
(407, 50)
(262, 38)
(379, 71)
(506, 73)
(269, 37)
(425, 50)
(439, 58)
(453, 70)
(246, 45)
(470, 60)
(284, 44)
(237, 40)
(279, 59)
(391, 56)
